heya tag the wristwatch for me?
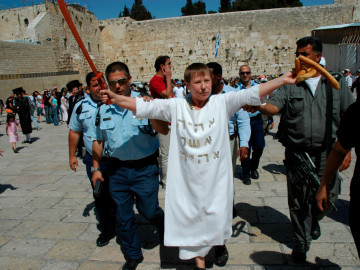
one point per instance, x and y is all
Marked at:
(94, 169)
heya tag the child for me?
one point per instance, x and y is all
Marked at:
(11, 130)
(198, 212)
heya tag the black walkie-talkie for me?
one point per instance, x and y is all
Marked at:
(97, 189)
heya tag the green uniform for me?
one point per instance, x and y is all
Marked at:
(302, 128)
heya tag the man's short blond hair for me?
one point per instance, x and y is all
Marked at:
(195, 69)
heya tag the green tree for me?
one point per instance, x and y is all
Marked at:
(125, 12)
(188, 9)
(225, 6)
(139, 12)
(191, 8)
(240, 5)
(199, 7)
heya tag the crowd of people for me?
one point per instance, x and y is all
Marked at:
(187, 135)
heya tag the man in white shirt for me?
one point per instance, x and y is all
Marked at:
(348, 78)
(178, 90)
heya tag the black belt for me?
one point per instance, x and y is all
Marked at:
(149, 160)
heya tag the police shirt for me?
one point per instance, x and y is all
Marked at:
(126, 137)
(303, 115)
(85, 121)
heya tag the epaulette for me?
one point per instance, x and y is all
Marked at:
(79, 109)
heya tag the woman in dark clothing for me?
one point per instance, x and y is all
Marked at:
(23, 109)
(47, 107)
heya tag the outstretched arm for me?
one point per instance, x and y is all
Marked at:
(119, 100)
(270, 86)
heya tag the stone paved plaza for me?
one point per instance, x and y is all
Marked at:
(47, 216)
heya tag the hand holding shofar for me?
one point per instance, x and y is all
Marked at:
(313, 68)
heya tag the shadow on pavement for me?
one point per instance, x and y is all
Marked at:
(5, 187)
(34, 139)
(268, 220)
(169, 256)
(267, 258)
(88, 208)
(342, 214)
(275, 168)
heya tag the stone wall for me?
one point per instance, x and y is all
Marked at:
(264, 39)
(32, 66)
(12, 21)
(53, 49)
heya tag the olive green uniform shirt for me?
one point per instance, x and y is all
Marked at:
(303, 116)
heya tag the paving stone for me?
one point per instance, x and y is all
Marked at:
(82, 215)
(15, 192)
(73, 203)
(49, 214)
(60, 230)
(65, 172)
(109, 253)
(4, 240)
(333, 231)
(47, 193)
(77, 187)
(258, 253)
(90, 233)
(5, 178)
(13, 201)
(24, 179)
(276, 202)
(59, 265)
(46, 187)
(8, 263)
(42, 202)
(265, 233)
(7, 225)
(78, 195)
(15, 213)
(25, 228)
(27, 247)
(71, 250)
(99, 265)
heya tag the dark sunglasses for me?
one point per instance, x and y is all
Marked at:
(302, 53)
(120, 81)
(245, 72)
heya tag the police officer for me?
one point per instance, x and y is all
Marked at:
(133, 170)
(257, 141)
(302, 129)
(83, 122)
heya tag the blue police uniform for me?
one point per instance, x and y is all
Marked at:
(241, 118)
(133, 173)
(256, 142)
(83, 120)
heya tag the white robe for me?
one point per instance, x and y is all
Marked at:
(199, 190)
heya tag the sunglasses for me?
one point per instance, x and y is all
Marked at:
(302, 53)
(245, 72)
(120, 81)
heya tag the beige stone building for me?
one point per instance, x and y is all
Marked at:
(37, 49)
